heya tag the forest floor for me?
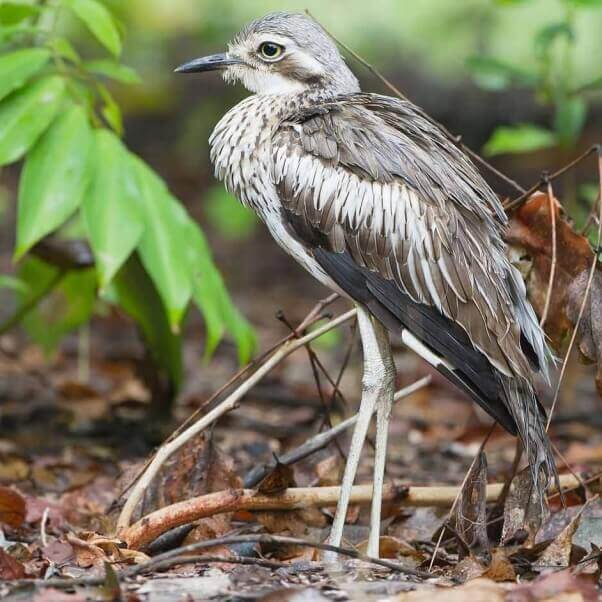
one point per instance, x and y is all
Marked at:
(75, 429)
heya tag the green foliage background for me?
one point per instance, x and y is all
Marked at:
(70, 70)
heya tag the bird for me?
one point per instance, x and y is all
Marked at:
(381, 205)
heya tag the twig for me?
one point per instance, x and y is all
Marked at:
(568, 466)
(514, 203)
(269, 539)
(165, 451)
(146, 530)
(321, 440)
(312, 316)
(588, 287)
(552, 206)
(459, 494)
(316, 367)
(455, 139)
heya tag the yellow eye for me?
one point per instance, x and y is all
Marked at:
(270, 51)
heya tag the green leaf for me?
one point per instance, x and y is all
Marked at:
(522, 138)
(163, 248)
(99, 21)
(585, 3)
(546, 36)
(64, 48)
(112, 209)
(12, 13)
(227, 216)
(65, 309)
(591, 86)
(16, 68)
(113, 70)
(14, 284)
(26, 114)
(569, 120)
(54, 178)
(110, 110)
(493, 74)
(211, 297)
(135, 293)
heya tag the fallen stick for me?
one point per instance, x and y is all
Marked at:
(321, 440)
(147, 529)
(165, 451)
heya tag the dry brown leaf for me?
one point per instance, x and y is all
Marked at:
(392, 547)
(12, 507)
(558, 553)
(330, 471)
(531, 229)
(477, 590)
(281, 477)
(58, 552)
(13, 468)
(197, 468)
(50, 594)
(500, 568)
(469, 519)
(10, 568)
(555, 587)
(467, 569)
(523, 511)
(589, 334)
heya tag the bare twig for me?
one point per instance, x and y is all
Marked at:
(269, 539)
(183, 555)
(552, 206)
(313, 316)
(141, 534)
(459, 494)
(588, 287)
(519, 200)
(321, 440)
(231, 402)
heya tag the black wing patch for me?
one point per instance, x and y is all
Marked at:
(471, 370)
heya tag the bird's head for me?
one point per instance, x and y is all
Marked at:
(281, 53)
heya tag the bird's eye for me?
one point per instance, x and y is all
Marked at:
(270, 51)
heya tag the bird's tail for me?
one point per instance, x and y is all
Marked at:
(530, 419)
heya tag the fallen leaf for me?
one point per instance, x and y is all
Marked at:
(10, 568)
(469, 519)
(523, 510)
(280, 478)
(500, 568)
(531, 229)
(50, 594)
(467, 569)
(13, 469)
(12, 507)
(589, 334)
(555, 586)
(58, 552)
(558, 553)
(477, 590)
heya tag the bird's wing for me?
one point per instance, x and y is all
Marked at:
(403, 222)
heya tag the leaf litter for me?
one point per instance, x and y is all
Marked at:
(66, 456)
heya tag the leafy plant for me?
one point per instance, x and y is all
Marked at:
(551, 79)
(149, 257)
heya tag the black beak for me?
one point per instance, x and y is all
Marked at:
(215, 62)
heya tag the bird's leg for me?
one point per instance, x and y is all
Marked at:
(377, 388)
(384, 405)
